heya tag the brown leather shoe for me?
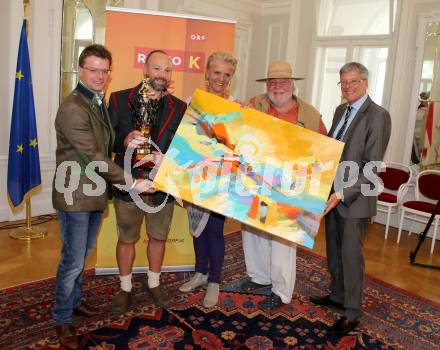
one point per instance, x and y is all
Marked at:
(159, 296)
(86, 309)
(67, 336)
(121, 301)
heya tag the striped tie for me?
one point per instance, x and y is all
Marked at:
(344, 125)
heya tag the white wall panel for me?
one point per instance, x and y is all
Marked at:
(44, 49)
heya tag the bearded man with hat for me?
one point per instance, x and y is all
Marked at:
(271, 261)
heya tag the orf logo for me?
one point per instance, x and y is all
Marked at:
(183, 61)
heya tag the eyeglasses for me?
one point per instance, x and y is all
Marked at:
(279, 82)
(350, 82)
(97, 70)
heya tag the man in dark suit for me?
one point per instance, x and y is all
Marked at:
(129, 216)
(365, 128)
(80, 190)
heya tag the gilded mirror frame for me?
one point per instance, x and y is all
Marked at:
(424, 21)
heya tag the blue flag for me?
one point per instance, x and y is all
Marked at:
(23, 162)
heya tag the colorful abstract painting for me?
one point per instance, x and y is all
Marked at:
(252, 167)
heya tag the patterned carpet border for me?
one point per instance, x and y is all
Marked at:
(379, 281)
(393, 318)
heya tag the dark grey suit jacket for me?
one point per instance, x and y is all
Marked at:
(365, 140)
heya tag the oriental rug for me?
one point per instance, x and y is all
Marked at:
(393, 318)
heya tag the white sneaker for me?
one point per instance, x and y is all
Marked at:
(211, 296)
(195, 282)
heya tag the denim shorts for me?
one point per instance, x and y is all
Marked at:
(129, 220)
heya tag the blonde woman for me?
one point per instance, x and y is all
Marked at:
(207, 227)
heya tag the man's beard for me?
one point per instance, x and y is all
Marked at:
(159, 84)
(277, 101)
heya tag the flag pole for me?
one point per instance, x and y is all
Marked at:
(29, 232)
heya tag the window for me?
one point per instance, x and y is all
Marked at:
(375, 59)
(427, 74)
(82, 26)
(351, 30)
(326, 76)
(353, 17)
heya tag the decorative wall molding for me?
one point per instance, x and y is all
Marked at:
(240, 7)
(273, 48)
(242, 49)
(41, 200)
(260, 7)
(152, 5)
(275, 7)
(293, 32)
(220, 9)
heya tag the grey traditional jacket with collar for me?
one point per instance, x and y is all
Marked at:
(84, 134)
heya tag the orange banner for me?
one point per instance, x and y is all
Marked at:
(130, 35)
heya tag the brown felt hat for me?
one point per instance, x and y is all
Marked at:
(279, 70)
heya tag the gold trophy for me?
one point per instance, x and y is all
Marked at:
(144, 111)
(144, 152)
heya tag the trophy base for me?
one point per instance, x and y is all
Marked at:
(144, 160)
(28, 234)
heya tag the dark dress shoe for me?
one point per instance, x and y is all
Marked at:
(121, 301)
(326, 301)
(344, 326)
(67, 336)
(271, 302)
(250, 286)
(86, 309)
